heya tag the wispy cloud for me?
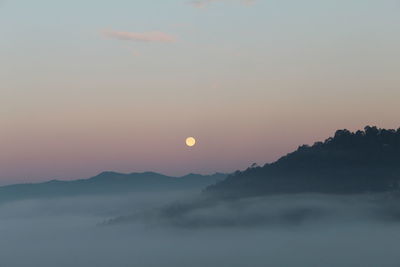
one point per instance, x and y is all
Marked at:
(204, 3)
(155, 36)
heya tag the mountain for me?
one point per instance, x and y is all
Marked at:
(107, 183)
(348, 162)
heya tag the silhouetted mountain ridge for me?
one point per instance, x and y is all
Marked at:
(107, 183)
(348, 162)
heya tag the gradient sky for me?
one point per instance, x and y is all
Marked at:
(88, 86)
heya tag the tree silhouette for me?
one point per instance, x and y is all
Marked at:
(348, 162)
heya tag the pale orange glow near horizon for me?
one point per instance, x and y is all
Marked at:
(252, 82)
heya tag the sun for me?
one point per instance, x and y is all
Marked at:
(190, 141)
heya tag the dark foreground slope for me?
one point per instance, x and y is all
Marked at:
(108, 183)
(349, 162)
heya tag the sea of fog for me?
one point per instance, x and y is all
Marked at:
(162, 229)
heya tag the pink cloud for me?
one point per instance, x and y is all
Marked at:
(140, 36)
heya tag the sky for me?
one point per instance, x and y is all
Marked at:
(89, 86)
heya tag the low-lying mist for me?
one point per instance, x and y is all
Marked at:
(181, 229)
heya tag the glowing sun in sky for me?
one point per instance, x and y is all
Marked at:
(190, 141)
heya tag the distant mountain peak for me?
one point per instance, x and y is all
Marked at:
(104, 173)
(105, 183)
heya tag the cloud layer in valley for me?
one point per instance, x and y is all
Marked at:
(298, 230)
